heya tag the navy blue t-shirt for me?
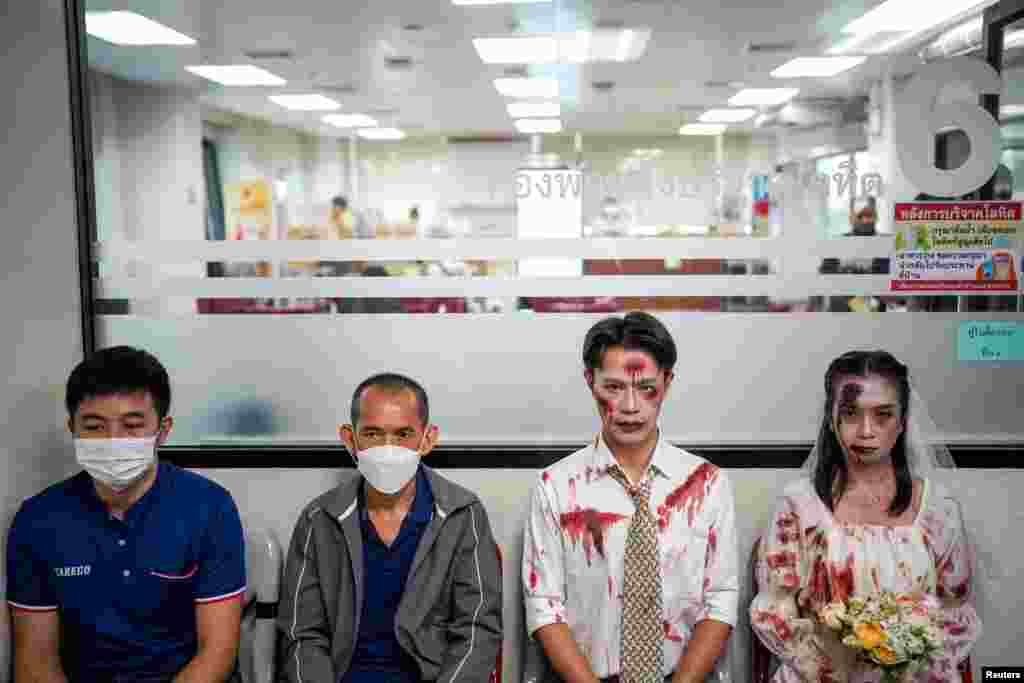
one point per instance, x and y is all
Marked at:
(378, 657)
(126, 590)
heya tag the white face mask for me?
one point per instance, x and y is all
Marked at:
(118, 463)
(388, 468)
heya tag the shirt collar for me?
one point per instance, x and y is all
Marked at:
(422, 509)
(137, 511)
(662, 463)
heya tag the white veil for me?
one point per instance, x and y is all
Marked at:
(926, 451)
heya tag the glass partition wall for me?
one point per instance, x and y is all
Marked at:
(290, 197)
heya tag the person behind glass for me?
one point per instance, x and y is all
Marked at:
(131, 570)
(863, 222)
(866, 517)
(630, 568)
(393, 576)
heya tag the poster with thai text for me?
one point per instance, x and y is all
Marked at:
(956, 246)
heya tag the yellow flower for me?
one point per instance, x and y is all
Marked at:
(871, 635)
(885, 655)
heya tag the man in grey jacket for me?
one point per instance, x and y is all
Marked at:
(393, 576)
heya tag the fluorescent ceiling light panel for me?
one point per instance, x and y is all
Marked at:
(236, 75)
(726, 115)
(305, 102)
(381, 134)
(129, 28)
(496, 2)
(816, 67)
(762, 97)
(1013, 39)
(909, 15)
(534, 110)
(604, 45)
(869, 43)
(703, 129)
(527, 87)
(525, 50)
(350, 120)
(538, 126)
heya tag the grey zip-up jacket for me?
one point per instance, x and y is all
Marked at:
(449, 617)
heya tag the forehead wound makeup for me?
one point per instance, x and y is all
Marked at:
(850, 392)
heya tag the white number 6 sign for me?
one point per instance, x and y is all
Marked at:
(921, 118)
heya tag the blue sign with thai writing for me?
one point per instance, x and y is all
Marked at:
(990, 341)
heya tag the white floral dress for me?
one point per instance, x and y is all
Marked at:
(806, 548)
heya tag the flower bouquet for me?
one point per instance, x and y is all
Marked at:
(897, 632)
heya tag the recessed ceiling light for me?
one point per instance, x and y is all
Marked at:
(380, 133)
(816, 67)
(526, 110)
(350, 120)
(578, 47)
(726, 115)
(236, 75)
(1011, 110)
(894, 22)
(525, 50)
(868, 43)
(529, 126)
(495, 2)
(527, 87)
(762, 97)
(703, 129)
(604, 45)
(909, 15)
(311, 102)
(129, 28)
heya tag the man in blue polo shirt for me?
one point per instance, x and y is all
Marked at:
(393, 576)
(131, 570)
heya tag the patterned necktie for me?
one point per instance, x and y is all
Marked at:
(643, 635)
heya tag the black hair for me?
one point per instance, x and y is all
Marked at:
(637, 331)
(119, 370)
(339, 202)
(831, 469)
(392, 381)
(375, 270)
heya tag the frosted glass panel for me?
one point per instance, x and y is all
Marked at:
(513, 378)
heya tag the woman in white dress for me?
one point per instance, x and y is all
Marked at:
(864, 518)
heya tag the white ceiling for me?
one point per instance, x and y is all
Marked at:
(448, 90)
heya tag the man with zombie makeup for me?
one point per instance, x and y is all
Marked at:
(131, 570)
(630, 567)
(393, 576)
(867, 517)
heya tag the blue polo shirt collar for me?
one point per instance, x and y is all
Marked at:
(137, 512)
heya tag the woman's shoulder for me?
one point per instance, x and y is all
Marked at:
(938, 497)
(800, 496)
(801, 487)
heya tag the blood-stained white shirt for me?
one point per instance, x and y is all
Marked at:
(575, 543)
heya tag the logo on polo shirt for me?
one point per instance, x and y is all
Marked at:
(80, 570)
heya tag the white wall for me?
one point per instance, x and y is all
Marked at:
(147, 144)
(40, 338)
(273, 499)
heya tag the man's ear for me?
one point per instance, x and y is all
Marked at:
(348, 437)
(165, 429)
(588, 377)
(71, 425)
(431, 438)
(669, 376)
